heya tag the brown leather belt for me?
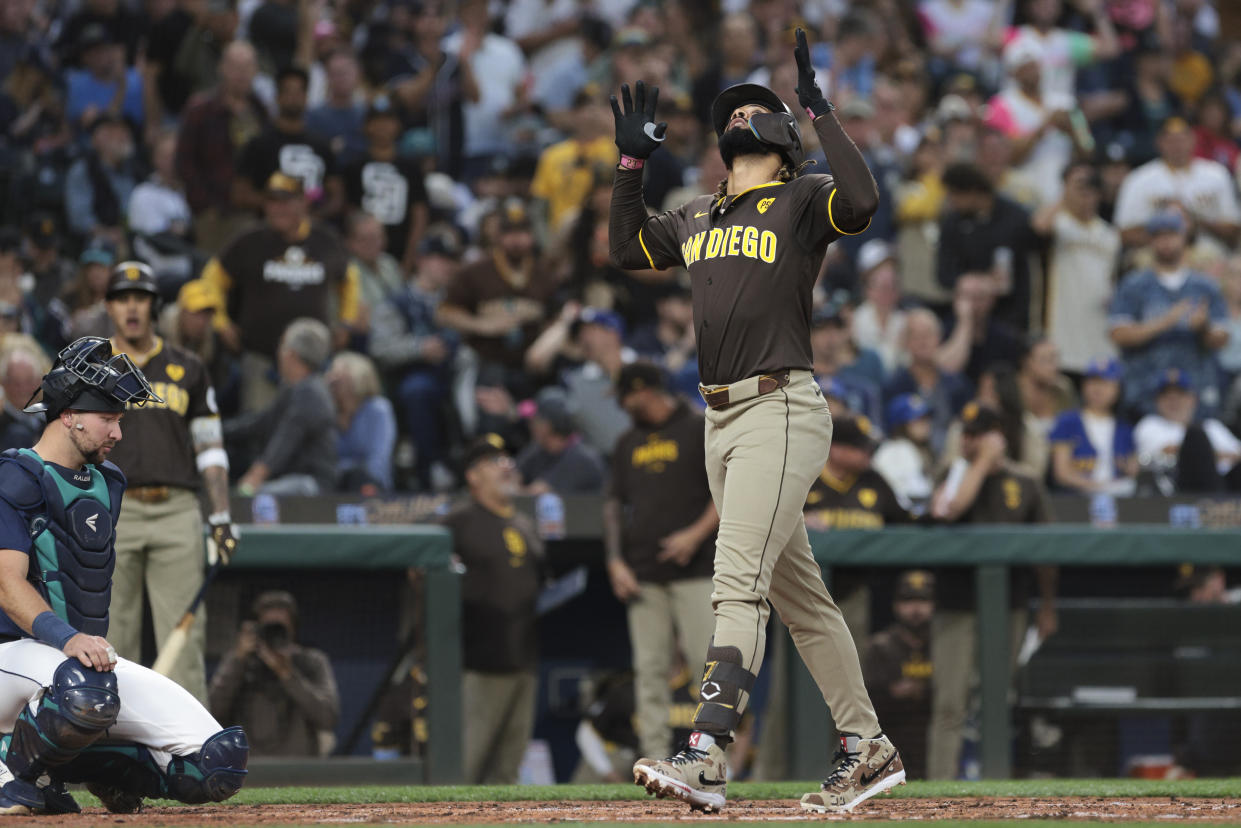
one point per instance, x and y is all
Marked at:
(149, 494)
(722, 397)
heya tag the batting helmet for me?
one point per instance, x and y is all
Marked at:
(88, 377)
(132, 276)
(778, 129)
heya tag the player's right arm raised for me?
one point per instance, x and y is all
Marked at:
(637, 136)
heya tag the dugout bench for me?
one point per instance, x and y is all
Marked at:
(1131, 659)
(991, 550)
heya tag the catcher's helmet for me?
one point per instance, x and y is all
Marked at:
(88, 377)
(778, 129)
(132, 276)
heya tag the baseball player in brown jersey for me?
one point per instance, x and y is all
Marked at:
(174, 447)
(753, 251)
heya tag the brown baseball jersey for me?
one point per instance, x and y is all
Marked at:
(753, 259)
(861, 501)
(899, 659)
(156, 448)
(1007, 496)
(502, 556)
(660, 479)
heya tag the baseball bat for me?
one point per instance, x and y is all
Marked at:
(175, 643)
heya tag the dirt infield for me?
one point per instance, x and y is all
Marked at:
(465, 813)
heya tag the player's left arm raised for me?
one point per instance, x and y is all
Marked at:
(855, 197)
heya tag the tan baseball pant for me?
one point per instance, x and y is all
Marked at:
(954, 652)
(498, 711)
(658, 617)
(159, 546)
(763, 454)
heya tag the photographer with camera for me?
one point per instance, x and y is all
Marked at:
(282, 693)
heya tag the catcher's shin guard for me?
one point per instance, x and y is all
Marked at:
(720, 700)
(74, 711)
(211, 774)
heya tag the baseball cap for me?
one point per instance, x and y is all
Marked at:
(514, 216)
(1190, 578)
(1174, 378)
(381, 107)
(41, 230)
(197, 295)
(1166, 221)
(1020, 52)
(853, 431)
(872, 254)
(637, 376)
(979, 419)
(1173, 123)
(1109, 369)
(94, 34)
(857, 108)
(905, 409)
(828, 314)
(552, 405)
(916, 585)
(98, 253)
(129, 277)
(604, 317)
(443, 244)
(484, 448)
(280, 185)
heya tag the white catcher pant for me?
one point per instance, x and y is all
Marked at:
(156, 712)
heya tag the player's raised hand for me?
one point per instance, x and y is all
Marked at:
(637, 134)
(808, 93)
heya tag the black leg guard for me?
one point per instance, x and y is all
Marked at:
(214, 773)
(719, 697)
(75, 711)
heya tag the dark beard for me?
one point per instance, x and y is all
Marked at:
(740, 141)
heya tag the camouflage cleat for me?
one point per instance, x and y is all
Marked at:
(699, 777)
(872, 769)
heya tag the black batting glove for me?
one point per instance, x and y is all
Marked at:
(637, 134)
(808, 94)
(225, 536)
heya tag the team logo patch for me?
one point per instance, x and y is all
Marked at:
(132, 273)
(175, 372)
(764, 204)
(867, 497)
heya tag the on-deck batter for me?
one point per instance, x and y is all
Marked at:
(75, 711)
(753, 252)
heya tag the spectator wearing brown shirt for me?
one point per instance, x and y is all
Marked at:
(982, 486)
(283, 694)
(502, 556)
(659, 532)
(498, 303)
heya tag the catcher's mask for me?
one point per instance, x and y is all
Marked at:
(88, 377)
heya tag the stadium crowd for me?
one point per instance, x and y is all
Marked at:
(1056, 235)
(386, 220)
